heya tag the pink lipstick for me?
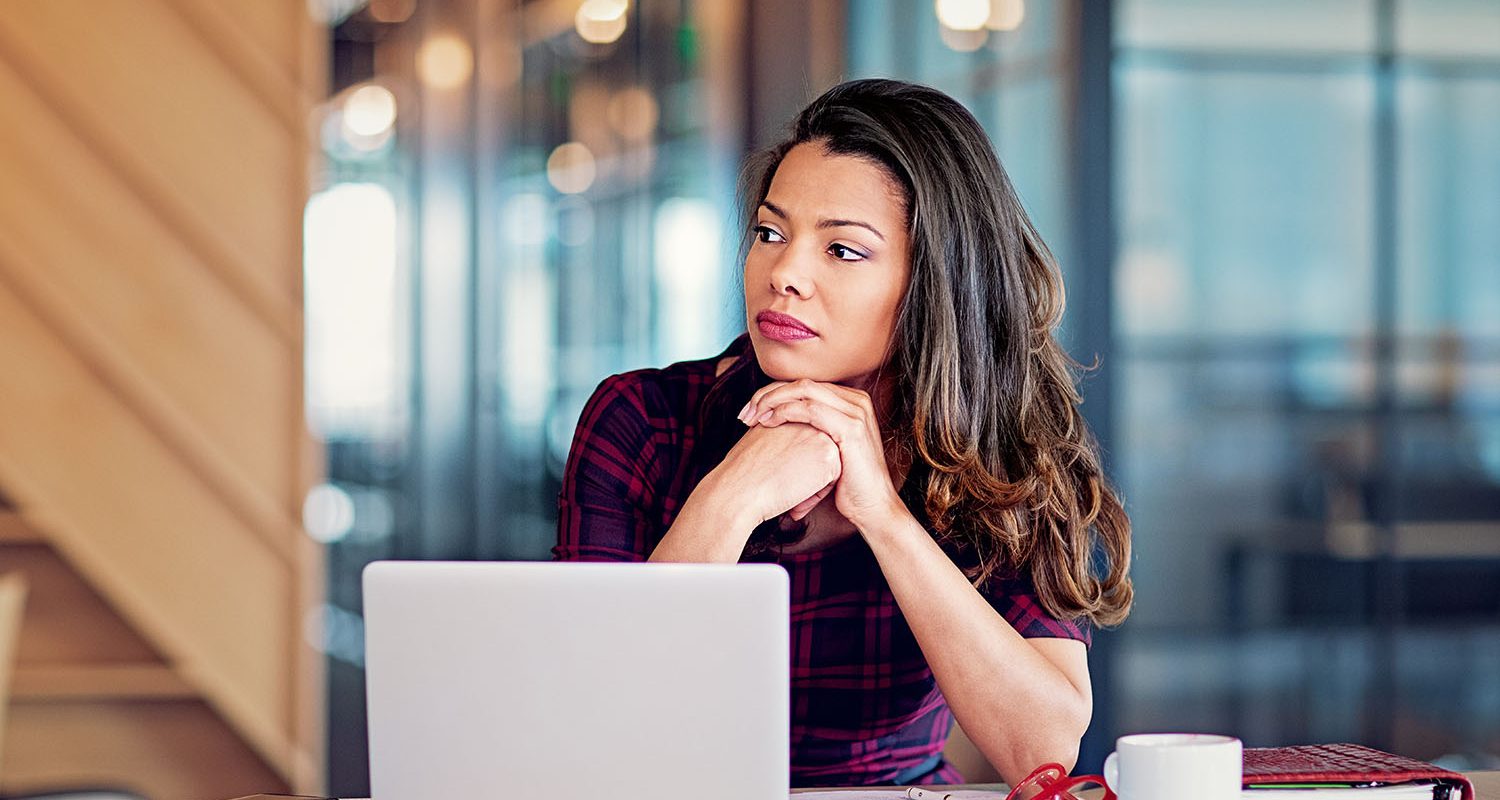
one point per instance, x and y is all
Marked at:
(783, 327)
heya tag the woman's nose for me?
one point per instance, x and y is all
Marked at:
(789, 276)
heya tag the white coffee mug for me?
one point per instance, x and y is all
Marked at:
(1175, 766)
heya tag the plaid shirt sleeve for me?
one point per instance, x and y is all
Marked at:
(604, 507)
(1016, 599)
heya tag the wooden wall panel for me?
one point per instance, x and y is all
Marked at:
(166, 750)
(67, 622)
(12, 601)
(103, 254)
(272, 30)
(155, 158)
(189, 574)
(158, 102)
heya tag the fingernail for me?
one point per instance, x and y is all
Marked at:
(763, 417)
(744, 415)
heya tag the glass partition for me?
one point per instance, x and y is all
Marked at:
(1305, 310)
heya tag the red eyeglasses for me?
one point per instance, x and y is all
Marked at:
(1055, 784)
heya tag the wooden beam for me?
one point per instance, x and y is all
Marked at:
(159, 412)
(227, 257)
(40, 683)
(14, 530)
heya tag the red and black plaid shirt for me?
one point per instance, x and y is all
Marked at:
(865, 707)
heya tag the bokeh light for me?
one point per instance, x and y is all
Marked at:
(392, 11)
(445, 62)
(601, 21)
(571, 168)
(1006, 15)
(633, 113)
(327, 513)
(369, 110)
(525, 219)
(963, 15)
(963, 41)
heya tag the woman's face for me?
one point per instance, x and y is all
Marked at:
(827, 268)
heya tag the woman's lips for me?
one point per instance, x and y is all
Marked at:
(782, 327)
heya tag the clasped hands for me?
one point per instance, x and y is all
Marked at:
(808, 439)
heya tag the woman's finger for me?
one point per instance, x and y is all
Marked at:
(748, 414)
(805, 389)
(857, 397)
(771, 396)
(805, 507)
(839, 426)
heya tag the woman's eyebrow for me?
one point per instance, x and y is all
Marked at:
(827, 223)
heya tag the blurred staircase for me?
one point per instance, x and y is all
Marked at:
(152, 446)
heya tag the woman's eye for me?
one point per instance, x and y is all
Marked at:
(765, 234)
(845, 253)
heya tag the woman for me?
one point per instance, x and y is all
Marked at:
(899, 430)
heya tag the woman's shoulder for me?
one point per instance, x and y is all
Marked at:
(660, 397)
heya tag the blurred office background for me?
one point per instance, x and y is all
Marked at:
(1279, 224)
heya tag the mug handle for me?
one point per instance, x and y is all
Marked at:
(1112, 772)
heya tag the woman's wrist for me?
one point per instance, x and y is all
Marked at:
(896, 520)
(711, 527)
(727, 503)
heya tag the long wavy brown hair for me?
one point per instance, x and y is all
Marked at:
(984, 404)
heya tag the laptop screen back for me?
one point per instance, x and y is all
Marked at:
(577, 681)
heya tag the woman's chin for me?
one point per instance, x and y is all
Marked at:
(779, 366)
(782, 366)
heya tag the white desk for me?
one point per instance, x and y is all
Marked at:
(1486, 787)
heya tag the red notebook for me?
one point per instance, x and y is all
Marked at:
(1343, 763)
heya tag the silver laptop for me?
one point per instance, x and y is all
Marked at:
(577, 681)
